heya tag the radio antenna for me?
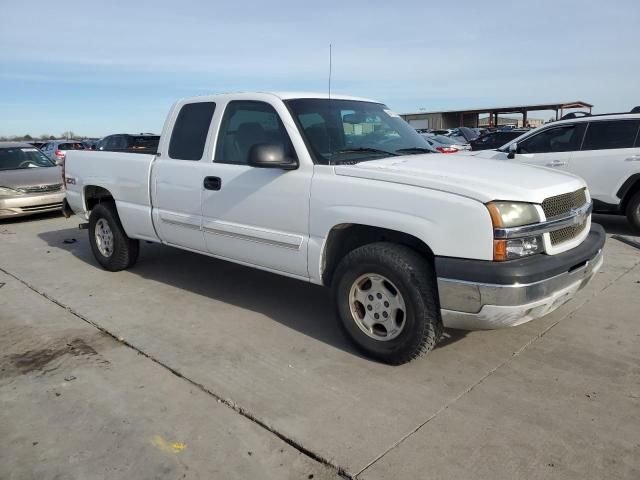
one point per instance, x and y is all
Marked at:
(330, 71)
(328, 133)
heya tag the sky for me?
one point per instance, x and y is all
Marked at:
(98, 67)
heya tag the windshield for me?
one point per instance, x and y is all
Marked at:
(347, 131)
(23, 157)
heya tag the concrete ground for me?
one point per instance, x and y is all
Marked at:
(190, 367)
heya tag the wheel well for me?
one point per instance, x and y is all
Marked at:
(94, 195)
(631, 191)
(345, 238)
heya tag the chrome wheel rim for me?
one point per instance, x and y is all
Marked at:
(104, 238)
(377, 307)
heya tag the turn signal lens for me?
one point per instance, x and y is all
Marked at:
(500, 250)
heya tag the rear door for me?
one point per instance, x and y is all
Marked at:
(258, 216)
(176, 178)
(610, 154)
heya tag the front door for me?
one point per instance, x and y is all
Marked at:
(552, 146)
(256, 216)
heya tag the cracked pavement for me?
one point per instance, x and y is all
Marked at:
(190, 367)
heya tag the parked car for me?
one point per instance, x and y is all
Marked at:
(90, 143)
(496, 139)
(602, 149)
(124, 142)
(56, 150)
(444, 144)
(342, 192)
(29, 182)
(38, 145)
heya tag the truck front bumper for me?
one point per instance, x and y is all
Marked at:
(476, 294)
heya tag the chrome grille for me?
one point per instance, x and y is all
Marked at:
(562, 204)
(567, 233)
(54, 187)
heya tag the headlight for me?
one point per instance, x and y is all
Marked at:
(514, 214)
(9, 192)
(517, 248)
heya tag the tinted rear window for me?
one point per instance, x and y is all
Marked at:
(611, 134)
(71, 146)
(190, 131)
(148, 142)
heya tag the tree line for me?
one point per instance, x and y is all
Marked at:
(41, 138)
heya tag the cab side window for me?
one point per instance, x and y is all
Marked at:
(190, 130)
(249, 123)
(564, 138)
(611, 134)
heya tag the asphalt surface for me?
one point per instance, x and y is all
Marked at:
(190, 367)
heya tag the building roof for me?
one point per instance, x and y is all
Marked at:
(509, 109)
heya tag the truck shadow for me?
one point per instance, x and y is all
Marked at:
(298, 305)
(615, 224)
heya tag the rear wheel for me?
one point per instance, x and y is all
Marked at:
(387, 301)
(633, 211)
(109, 242)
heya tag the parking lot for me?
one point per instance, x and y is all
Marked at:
(190, 367)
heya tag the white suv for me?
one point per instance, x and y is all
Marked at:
(602, 149)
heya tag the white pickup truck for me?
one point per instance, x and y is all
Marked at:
(341, 192)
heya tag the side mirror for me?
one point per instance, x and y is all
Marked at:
(270, 156)
(513, 149)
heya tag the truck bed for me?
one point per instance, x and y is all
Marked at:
(125, 175)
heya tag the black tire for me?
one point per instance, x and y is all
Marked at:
(633, 211)
(413, 276)
(124, 251)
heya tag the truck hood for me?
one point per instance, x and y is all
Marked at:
(469, 176)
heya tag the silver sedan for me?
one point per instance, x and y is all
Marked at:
(29, 182)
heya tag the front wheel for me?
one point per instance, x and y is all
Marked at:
(387, 301)
(633, 211)
(109, 242)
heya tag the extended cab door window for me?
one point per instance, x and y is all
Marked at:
(249, 123)
(190, 130)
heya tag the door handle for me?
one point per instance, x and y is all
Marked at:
(212, 183)
(633, 158)
(556, 163)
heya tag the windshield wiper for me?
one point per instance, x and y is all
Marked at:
(414, 149)
(366, 149)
